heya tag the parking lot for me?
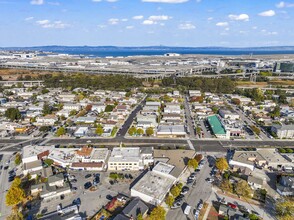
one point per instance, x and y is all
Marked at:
(91, 201)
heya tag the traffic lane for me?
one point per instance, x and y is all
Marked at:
(124, 129)
(4, 210)
(189, 118)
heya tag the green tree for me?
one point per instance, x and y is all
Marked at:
(60, 131)
(140, 216)
(198, 130)
(48, 161)
(17, 160)
(47, 109)
(15, 194)
(175, 191)
(158, 213)
(221, 164)
(73, 112)
(253, 217)
(170, 200)
(44, 129)
(236, 101)
(140, 131)
(255, 129)
(99, 130)
(243, 189)
(132, 131)
(193, 163)
(44, 91)
(285, 209)
(226, 185)
(12, 114)
(149, 131)
(109, 108)
(276, 112)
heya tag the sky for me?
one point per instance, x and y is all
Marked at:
(195, 23)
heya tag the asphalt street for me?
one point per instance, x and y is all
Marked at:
(202, 191)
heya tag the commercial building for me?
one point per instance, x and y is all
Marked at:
(171, 131)
(154, 185)
(283, 131)
(217, 127)
(260, 157)
(130, 158)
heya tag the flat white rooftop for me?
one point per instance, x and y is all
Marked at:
(127, 154)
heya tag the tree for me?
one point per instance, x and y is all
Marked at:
(99, 130)
(226, 185)
(132, 131)
(193, 163)
(139, 216)
(73, 112)
(253, 217)
(15, 194)
(47, 109)
(158, 213)
(198, 157)
(44, 91)
(276, 112)
(285, 209)
(221, 164)
(44, 129)
(48, 161)
(17, 160)
(149, 131)
(12, 114)
(236, 101)
(175, 191)
(140, 131)
(243, 189)
(170, 200)
(255, 129)
(109, 108)
(60, 131)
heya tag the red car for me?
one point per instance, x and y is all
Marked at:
(233, 206)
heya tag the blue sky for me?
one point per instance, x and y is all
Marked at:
(234, 23)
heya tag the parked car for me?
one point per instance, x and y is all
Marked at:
(77, 202)
(87, 185)
(73, 181)
(176, 205)
(109, 197)
(88, 176)
(185, 190)
(233, 206)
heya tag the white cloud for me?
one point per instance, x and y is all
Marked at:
(268, 13)
(124, 19)
(186, 26)
(241, 17)
(159, 18)
(96, 0)
(111, 0)
(29, 18)
(222, 24)
(284, 5)
(101, 26)
(49, 24)
(166, 1)
(149, 22)
(129, 27)
(43, 22)
(210, 18)
(138, 17)
(54, 3)
(37, 2)
(113, 21)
